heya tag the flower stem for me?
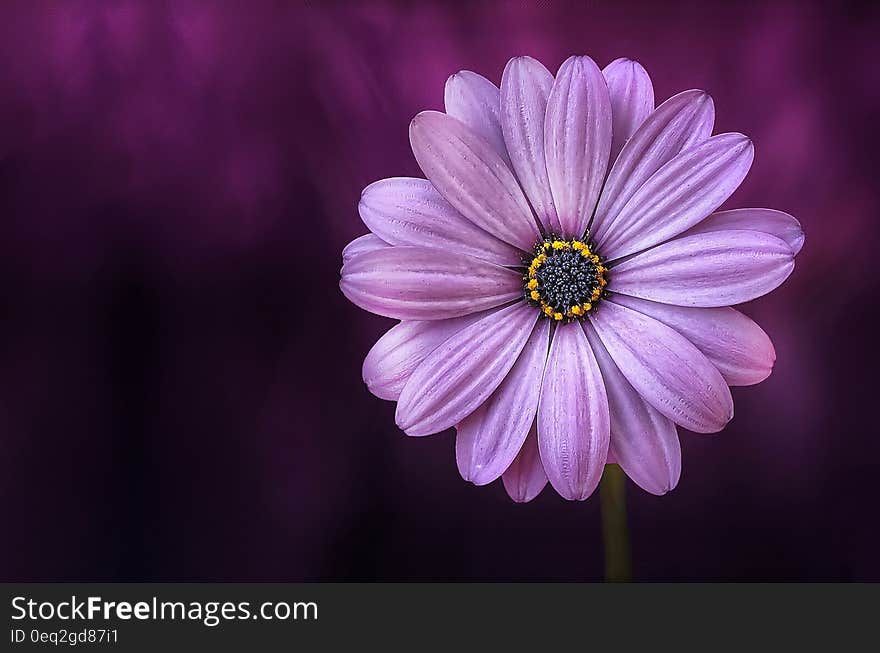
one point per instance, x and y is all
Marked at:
(615, 533)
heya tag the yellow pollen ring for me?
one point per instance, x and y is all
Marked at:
(540, 257)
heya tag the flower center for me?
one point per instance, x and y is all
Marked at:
(565, 279)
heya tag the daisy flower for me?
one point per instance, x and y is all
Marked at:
(562, 278)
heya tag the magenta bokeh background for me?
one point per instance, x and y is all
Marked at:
(180, 392)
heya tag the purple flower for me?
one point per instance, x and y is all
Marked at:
(562, 280)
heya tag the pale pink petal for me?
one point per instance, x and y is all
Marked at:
(664, 367)
(573, 420)
(397, 354)
(776, 223)
(679, 195)
(718, 268)
(489, 438)
(472, 177)
(361, 244)
(459, 375)
(632, 100)
(681, 122)
(525, 87)
(643, 442)
(474, 100)
(738, 347)
(577, 141)
(525, 478)
(418, 283)
(410, 211)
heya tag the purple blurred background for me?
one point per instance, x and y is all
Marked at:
(180, 391)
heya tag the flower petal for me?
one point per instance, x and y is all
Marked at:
(776, 223)
(410, 211)
(418, 283)
(457, 377)
(718, 268)
(643, 442)
(632, 100)
(361, 244)
(577, 141)
(525, 87)
(525, 478)
(573, 420)
(680, 194)
(665, 368)
(397, 354)
(490, 437)
(735, 344)
(474, 100)
(681, 122)
(472, 177)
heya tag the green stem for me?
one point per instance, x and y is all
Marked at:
(615, 533)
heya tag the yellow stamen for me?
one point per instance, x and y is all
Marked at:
(547, 250)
